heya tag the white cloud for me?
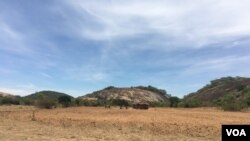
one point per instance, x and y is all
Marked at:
(97, 76)
(20, 37)
(5, 71)
(198, 23)
(12, 40)
(8, 33)
(46, 75)
(223, 64)
(88, 73)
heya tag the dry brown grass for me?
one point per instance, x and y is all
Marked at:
(91, 123)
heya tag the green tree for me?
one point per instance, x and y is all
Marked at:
(174, 101)
(64, 100)
(78, 102)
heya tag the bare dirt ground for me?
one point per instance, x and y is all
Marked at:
(98, 124)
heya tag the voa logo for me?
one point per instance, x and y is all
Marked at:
(236, 132)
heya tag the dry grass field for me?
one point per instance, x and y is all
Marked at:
(98, 124)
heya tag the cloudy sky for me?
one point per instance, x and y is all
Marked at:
(77, 46)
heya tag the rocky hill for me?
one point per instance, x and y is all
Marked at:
(138, 94)
(238, 87)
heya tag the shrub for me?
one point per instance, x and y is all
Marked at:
(85, 102)
(190, 103)
(231, 103)
(246, 90)
(24, 101)
(218, 102)
(64, 100)
(120, 102)
(159, 104)
(46, 103)
(78, 102)
(9, 100)
(247, 99)
(241, 87)
(174, 101)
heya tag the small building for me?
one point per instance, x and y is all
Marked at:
(143, 106)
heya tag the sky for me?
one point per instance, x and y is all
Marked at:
(80, 46)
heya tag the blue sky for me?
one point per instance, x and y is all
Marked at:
(78, 46)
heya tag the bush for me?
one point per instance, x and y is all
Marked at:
(246, 90)
(159, 104)
(78, 102)
(46, 103)
(9, 101)
(247, 99)
(231, 103)
(119, 102)
(24, 101)
(85, 102)
(233, 107)
(241, 87)
(190, 103)
(64, 100)
(174, 101)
